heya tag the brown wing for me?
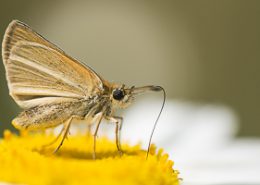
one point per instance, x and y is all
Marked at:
(38, 72)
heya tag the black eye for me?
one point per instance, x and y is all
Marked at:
(118, 94)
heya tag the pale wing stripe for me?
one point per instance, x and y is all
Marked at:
(56, 75)
(42, 101)
(36, 45)
(13, 67)
(20, 72)
(36, 91)
(19, 79)
(23, 75)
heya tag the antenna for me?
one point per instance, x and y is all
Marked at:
(155, 124)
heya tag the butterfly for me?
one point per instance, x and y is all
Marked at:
(52, 88)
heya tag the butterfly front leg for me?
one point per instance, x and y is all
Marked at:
(119, 122)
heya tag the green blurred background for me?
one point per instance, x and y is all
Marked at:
(200, 51)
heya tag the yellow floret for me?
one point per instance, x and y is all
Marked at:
(24, 161)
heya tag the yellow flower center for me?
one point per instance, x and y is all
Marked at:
(23, 160)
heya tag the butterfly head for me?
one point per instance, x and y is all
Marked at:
(122, 97)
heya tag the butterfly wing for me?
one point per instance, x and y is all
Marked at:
(38, 72)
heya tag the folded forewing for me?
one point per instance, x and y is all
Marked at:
(37, 71)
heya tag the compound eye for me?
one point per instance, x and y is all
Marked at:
(118, 94)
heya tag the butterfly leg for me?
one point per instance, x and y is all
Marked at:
(66, 131)
(119, 122)
(56, 139)
(98, 118)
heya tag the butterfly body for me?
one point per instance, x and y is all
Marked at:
(52, 88)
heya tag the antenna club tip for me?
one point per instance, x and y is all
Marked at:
(156, 88)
